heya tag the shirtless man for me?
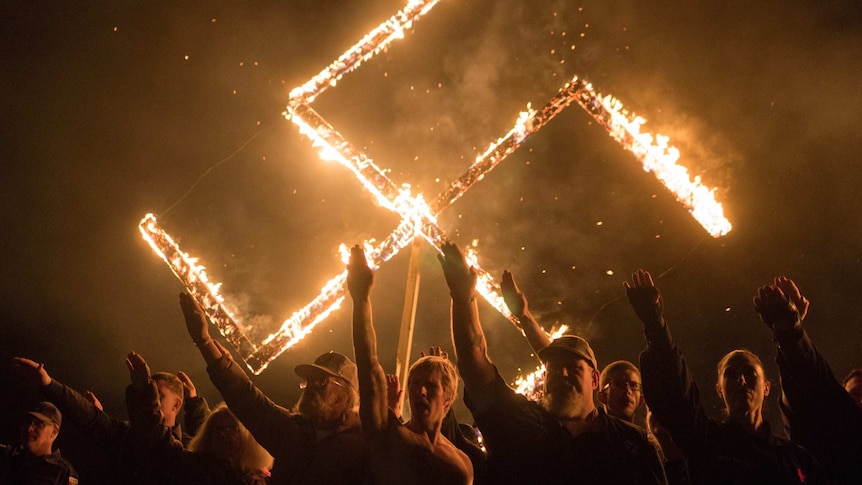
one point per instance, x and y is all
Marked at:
(414, 452)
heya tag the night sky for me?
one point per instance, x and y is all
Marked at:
(112, 110)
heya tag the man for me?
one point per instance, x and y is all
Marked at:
(620, 390)
(563, 439)
(321, 441)
(619, 382)
(414, 452)
(33, 461)
(821, 414)
(740, 449)
(109, 434)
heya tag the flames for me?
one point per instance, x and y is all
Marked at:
(418, 217)
(530, 385)
(658, 157)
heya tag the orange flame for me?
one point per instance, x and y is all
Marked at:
(418, 217)
(530, 385)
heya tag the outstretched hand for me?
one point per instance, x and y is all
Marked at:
(393, 394)
(189, 389)
(514, 298)
(791, 291)
(360, 278)
(196, 320)
(139, 371)
(644, 298)
(776, 310)
(30, 373)
(460, 277)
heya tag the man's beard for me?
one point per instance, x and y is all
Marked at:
(559, 400)
(312, 406)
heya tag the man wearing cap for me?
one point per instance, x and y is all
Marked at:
(33, 461)
(417, 451)
(322, 442)
(563, 439)
(619, 382)
(110, 434)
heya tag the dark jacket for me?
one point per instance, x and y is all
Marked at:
(716, 452)
(526, 444)
(158, 450)
(301, 457)
(819, 413)
(109, 434)
(19, 467)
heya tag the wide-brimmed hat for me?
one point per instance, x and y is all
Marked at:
(332, 363)
(569, 345)
(47, 412)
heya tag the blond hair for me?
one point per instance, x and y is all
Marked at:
(252, 456)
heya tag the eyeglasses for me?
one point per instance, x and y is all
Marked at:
(623, 386)
(320, 382)
(37, 423)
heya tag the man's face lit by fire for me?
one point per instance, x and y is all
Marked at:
(621, 394)
(569, 381)
(427, 396)
(324, 398)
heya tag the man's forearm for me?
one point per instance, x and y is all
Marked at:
(470, 345)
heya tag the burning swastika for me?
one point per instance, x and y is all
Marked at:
(419, 218)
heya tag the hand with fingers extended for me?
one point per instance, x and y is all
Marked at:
(139, 371)
(360, 278)
(30, 373)
(644, 298)
(393, 394)
(776, 310)
(435, 351)
(791, 291)
(189, 389)
(512, 295)
(460, 277)
(196, 320)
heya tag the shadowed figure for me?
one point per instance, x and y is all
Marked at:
(741, 449)
(820, 413)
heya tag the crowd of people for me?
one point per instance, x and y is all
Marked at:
(347, 425)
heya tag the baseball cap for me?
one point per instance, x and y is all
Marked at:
(571, 345)
(46, 412)
(332, 363)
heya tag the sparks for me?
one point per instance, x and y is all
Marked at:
(530, 385)
(419, 218)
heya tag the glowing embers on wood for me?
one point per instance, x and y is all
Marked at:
(418, 218)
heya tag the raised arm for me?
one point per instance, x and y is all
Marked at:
(271, 425)
(103, 429)
(820, 414)
(198, 328)
(195, 408)
(517, 303)
(471, 349)
(372, 379)
(669, 388)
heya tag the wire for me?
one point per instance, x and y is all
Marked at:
(210, 169)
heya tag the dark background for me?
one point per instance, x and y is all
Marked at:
(113, 110)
